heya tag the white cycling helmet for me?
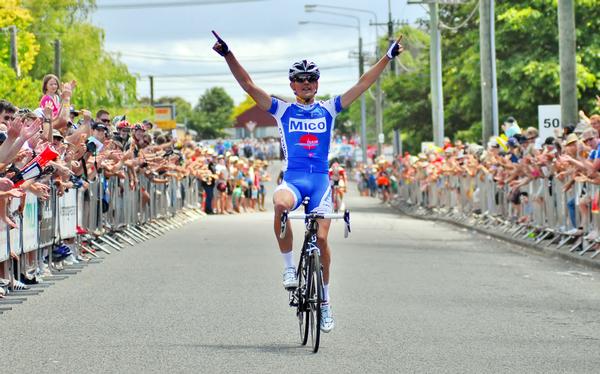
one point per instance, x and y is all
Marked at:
(304, 67)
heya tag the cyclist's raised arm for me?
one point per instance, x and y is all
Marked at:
(371, 75)
(263, 100)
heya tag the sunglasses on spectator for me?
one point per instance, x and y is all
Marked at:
(105, 120)
(9, 118)
(305, 77)
(586, 140)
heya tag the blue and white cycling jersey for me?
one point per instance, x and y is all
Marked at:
(305, 132)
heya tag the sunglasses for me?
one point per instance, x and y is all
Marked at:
(305, 77)
(9, 118)
(105, 120)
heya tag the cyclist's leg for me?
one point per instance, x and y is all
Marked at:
(283, 199)
(327, 320)
(324, 247)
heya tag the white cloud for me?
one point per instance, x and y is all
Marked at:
(265, 36)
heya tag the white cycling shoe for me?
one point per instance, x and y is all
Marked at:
(290, 281)
(327, 321)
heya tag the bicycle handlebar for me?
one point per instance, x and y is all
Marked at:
(286, 215)
(317, 216)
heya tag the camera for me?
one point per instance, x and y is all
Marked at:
(90, 146)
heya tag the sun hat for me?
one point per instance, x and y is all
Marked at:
(571, 138)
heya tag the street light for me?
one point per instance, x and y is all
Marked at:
(326, 24)
(361, 68)
(312, 7)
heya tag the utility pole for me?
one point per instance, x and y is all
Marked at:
(14, 57)
(378, 94)
(397, 142)
(57, 58)
(390, 25)
(435, 62)
(151, 90)
(379, 116)
(363, 103)
(489, 86)
(567, 58)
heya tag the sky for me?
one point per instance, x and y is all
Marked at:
(265, 36)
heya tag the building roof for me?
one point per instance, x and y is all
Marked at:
(256, 115)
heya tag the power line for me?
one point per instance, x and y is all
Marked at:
(200, 60)
(256, 72)
(462, 24)
(247, 58)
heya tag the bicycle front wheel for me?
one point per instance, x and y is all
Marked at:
(302, 308)
(315, 297)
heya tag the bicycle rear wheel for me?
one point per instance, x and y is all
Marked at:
(315, 297)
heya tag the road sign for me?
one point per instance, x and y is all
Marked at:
(548, 120)
(250, 125)
(166, 124)
(164, 116)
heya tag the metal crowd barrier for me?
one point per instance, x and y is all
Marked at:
(541, 210)
(105, 216)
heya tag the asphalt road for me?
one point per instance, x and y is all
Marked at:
(407, 295)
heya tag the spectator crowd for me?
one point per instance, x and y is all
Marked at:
(530, 170)
(55, 147)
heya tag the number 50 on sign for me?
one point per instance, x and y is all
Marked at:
(548, 120)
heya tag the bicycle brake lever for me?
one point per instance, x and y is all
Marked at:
(284, 218)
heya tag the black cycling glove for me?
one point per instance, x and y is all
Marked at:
(220, 46)
(395, 49)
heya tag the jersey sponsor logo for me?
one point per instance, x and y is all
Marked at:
(314, 125)
(308, 141)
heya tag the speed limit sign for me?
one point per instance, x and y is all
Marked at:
(548, 120)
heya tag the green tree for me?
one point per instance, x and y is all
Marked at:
(22, 91)
(212, 113)
(103, 81)
(528, 71)
(527, 68)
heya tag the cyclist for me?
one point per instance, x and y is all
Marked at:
(305, 128)
(337, 176)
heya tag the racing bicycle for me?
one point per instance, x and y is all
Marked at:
(307, 297)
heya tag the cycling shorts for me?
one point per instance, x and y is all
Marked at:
(314, 185)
